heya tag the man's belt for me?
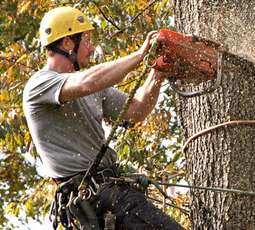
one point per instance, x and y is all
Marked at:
(102, 173)
(71, 183)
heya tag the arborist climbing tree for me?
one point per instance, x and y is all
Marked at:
(186, 59)
(64, 107)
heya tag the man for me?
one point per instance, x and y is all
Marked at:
(64, 111)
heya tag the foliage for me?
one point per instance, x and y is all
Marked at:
(121, 26)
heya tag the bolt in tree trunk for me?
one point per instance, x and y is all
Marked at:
(224, 157)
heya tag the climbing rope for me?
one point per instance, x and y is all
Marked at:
(207, 130)
(213, 189)
(144, 182)
(150, 57)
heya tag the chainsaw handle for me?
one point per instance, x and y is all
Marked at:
(147, 61)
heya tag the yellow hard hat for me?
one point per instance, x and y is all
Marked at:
(61, 22)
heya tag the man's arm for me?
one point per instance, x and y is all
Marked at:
(102, 76)
(99, 77)
(146, 97)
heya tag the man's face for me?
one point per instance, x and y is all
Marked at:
(85, 50)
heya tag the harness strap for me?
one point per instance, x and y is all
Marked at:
(73, 55)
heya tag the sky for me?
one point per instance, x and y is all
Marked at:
(32, 224)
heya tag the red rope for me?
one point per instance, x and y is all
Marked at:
(224, 124)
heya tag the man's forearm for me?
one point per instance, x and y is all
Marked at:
(107, 74)
(145, 99)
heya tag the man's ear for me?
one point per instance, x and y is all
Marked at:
(67, 44)
(50, 53)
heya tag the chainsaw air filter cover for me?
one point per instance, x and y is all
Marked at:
(186, 56)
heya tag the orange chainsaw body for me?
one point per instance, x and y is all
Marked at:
(185, 57)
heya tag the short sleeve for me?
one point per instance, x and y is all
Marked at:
(44, 88)
(113, 101)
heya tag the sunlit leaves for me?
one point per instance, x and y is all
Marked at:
(12, 209)
(23, 6)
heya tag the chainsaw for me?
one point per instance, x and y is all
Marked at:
(186, 57)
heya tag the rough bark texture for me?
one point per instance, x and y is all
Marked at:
(224, 157)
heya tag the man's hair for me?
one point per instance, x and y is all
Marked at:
(54, 44)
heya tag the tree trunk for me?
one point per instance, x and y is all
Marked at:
(224, 157)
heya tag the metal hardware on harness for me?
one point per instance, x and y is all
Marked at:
(92, 189)
(87, 194)
(69, 202)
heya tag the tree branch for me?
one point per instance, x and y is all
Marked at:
(142, 11)
(105, 17)
(135, 17)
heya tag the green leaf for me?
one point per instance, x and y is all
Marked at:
(104, 24)
(12, 209)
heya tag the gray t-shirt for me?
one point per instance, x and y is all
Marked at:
(68, 136)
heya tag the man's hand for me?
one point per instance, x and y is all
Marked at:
(160, 75)
(151, 37)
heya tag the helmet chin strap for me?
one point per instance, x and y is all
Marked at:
(72, 55)
(73, 59)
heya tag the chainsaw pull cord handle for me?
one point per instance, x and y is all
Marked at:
(210, 89)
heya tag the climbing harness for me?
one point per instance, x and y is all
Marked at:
(71, 204)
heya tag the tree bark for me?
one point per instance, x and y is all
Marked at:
(224, 157)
